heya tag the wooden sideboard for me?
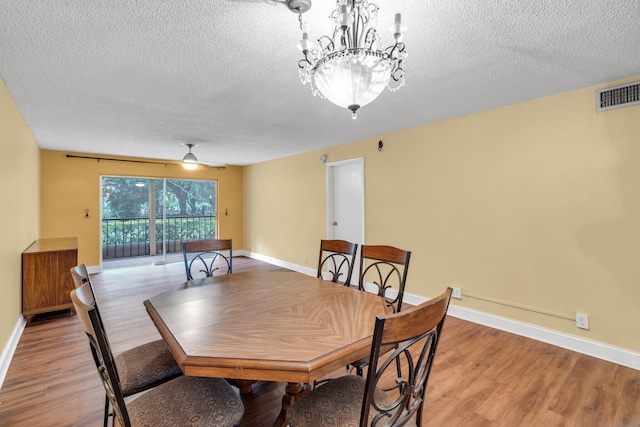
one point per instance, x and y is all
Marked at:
(46, 280)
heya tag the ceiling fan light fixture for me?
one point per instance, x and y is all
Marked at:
(189, 166)
(190, 158)
(190, 161)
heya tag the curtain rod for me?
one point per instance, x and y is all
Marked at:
(69, 156)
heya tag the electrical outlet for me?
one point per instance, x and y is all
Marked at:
(456, 293)
(582, 320)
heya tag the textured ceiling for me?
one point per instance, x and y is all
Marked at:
(140, 78)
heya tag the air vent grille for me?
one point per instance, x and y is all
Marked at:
(618, 96)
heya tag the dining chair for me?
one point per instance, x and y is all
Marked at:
(80, 275)
(204, 253)
(383, 270)
(185, 400)
(383, 398)
(141, 368)
(337, 258)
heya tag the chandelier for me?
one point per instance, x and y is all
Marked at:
(351, 68)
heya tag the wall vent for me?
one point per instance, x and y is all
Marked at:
(618, 96)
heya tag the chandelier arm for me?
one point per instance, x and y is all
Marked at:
(369, 38)
(333, 36)
(397, 73)
(395, 50)
(330, 46)
(393, 53)
(303, 61)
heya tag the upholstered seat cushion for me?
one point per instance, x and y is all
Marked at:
(145, 366)
(187, 402)
(335, 404)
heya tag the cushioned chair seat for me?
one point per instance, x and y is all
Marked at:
(336, 404)
(187, 401)
(145, 366)
(140, 368)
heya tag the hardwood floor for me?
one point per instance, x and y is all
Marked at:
(481, 376)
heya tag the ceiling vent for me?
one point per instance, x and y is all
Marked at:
(618, 96)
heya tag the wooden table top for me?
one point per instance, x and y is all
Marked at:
(271, 326)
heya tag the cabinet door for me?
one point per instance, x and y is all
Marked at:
(61, 281)
(34, 283)
(46, 279)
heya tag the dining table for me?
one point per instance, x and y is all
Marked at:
(281, 326)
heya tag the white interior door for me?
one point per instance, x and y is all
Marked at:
(345, 203)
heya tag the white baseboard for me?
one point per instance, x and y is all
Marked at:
(595, 349)
(295, 267)
(93, 269)
(10, 348)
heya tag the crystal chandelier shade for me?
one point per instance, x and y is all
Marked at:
(349, 69)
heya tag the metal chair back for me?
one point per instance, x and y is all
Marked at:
(200, 257)
(336, 259)
(383, 270)
(415, 333)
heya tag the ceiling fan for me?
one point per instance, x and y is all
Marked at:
(296, 6)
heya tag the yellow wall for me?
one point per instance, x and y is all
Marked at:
(19, 207)
(285, 208)
(72, 185)
(536, 205)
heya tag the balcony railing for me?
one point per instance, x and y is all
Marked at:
(129, 237)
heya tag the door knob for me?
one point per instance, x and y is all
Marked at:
(335, 222)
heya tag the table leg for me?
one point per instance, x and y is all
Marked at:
(293, 391)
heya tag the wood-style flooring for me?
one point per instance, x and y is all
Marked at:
(481, 376)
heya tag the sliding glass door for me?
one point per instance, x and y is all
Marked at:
(153, 216)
